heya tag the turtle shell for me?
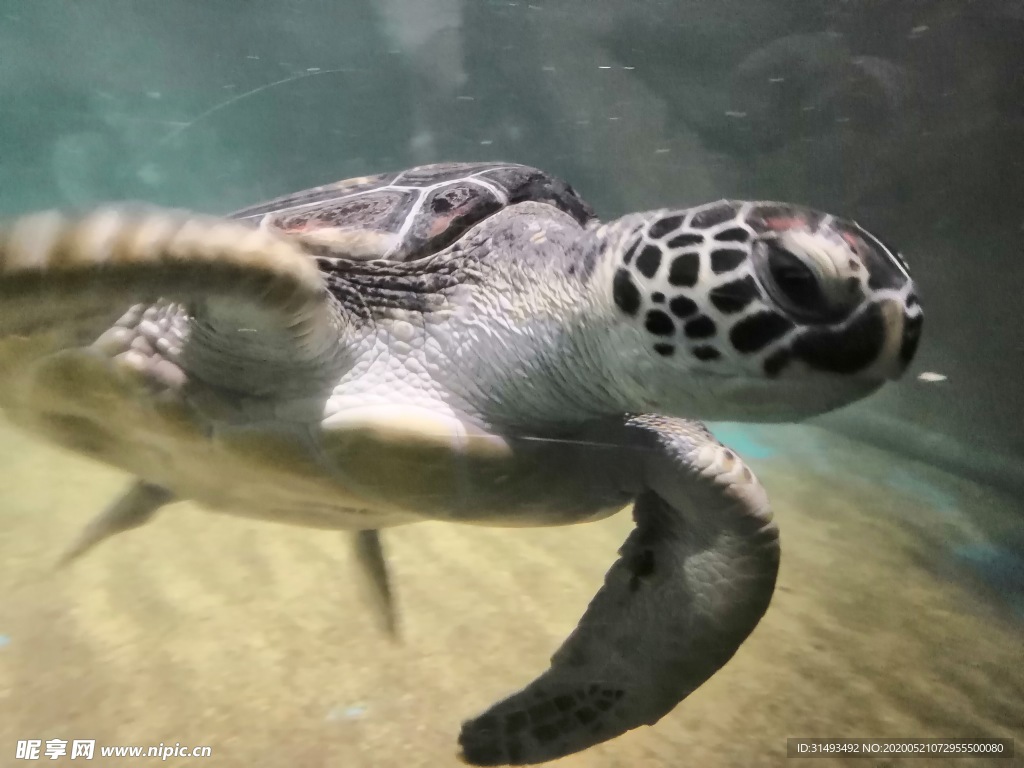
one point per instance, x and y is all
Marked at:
(418, 211)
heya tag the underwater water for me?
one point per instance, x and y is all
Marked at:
(899, 608)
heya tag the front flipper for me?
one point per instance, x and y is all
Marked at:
(693, 580)
(136, 507)
(63, 276)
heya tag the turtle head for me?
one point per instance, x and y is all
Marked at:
(755, 311)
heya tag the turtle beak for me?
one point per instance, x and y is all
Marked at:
(912, 326)
(903, 324)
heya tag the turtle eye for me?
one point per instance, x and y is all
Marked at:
(795, 280)
(794, 284)
(810, 276)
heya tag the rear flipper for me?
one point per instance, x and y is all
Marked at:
(134, 508)
(142, 500)
(373, 570)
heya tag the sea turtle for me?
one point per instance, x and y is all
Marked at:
(466, 342)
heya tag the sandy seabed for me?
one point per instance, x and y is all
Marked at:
(252, 638)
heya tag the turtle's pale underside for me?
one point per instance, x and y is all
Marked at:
(465, 342)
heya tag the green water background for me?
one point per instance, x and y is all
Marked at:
(906, 116)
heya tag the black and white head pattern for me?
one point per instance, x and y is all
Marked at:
(757, 285)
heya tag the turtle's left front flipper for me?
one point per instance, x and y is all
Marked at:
(253, 310)
(693, 580)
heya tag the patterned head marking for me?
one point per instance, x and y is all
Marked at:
(765, 290)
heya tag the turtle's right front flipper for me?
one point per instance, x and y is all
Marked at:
(60, 274)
